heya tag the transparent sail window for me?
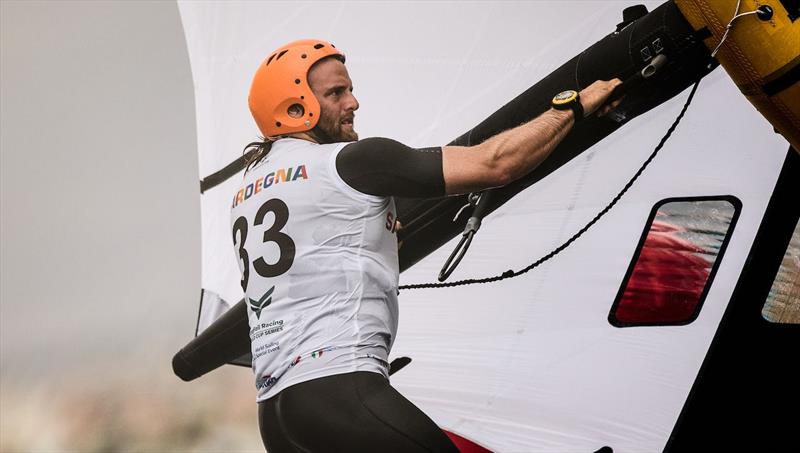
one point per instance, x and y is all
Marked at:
(672, 268)
(783, 302)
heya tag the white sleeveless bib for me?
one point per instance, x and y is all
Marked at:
(319, 268)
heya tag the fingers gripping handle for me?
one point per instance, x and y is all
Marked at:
(636, 79)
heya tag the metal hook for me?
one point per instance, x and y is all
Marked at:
(472, 200)
(479, 201)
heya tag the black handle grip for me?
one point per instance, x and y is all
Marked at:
(658, 62)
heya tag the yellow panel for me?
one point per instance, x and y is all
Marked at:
(755, 53)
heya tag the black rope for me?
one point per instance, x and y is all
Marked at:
(511, 273)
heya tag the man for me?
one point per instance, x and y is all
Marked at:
(314, 230)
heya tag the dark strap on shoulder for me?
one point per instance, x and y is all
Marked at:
(220, 176)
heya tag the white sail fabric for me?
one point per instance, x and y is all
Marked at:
(531, 363)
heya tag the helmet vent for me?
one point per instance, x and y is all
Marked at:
(303, 56)
(270, 59)
(295, 111)
(281, 54)
(319, 46)
(278, 123)
(297, 81)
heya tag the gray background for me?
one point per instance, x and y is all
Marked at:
(100, 270)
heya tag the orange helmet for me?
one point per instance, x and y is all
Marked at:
(281, 84)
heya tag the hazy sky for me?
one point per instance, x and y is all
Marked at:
(100, 206)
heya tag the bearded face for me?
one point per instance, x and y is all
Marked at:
(336, 126)
(333, 88)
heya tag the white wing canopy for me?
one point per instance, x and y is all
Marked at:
(531, 363)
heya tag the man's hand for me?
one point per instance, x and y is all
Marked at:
(596, 95)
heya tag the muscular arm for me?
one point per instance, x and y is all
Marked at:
(514, 153)
(380, 166)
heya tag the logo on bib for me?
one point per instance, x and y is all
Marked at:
(260, 304)
(281, 175)
(265, 382)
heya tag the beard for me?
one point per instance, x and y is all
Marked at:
(331, 130)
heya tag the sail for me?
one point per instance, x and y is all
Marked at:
(550, 360)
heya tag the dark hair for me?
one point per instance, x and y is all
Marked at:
(336, 56)
(255, 152)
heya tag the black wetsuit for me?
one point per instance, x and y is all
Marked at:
(360, 411)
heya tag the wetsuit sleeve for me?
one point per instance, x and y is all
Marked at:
(384, 167)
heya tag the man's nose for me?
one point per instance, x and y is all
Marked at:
(352, 103)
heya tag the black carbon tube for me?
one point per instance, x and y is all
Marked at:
(226, 340)
(428, 223)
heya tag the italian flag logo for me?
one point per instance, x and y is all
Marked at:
(317, 354)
